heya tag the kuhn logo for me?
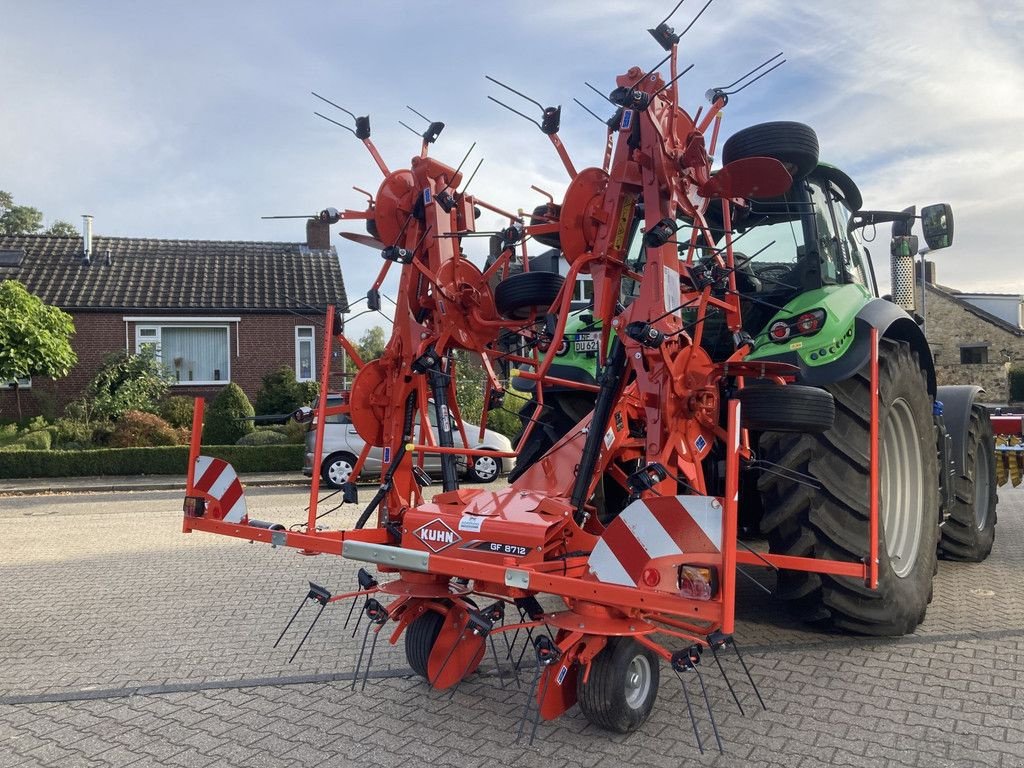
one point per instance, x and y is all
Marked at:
(437, 535)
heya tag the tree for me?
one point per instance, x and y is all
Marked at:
(34, 337)
(229, 417)
(125, 383)
(280, 393)
(25, 220)
(371, 344)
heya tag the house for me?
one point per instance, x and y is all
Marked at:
(975, 337)
(215, 311)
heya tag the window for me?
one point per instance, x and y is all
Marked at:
(25, 383)
(584, 288)
(974, 354)
(305, 358)
(191, 354)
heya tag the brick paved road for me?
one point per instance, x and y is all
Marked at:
(124, 642)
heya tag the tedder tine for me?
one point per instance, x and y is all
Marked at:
(687, 660)
(366, 581)
(322, 596)
(689, 707)
(547, 654)
(373, 609)
(753, 685)
(378, 617)
(716, 640)
(719, 639)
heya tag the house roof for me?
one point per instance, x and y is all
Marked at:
(176, 275)
(955, 296)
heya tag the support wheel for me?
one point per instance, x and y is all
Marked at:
(971, 528)
(483, 469)
(336, 469)
(420, 637)
(620, 690)
(520, 294)
(789, 408)
(832, 522)
(795, 145)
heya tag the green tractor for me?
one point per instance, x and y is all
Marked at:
(810, 299)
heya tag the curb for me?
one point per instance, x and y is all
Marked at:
(53, 488)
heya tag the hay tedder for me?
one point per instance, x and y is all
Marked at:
(619, 547)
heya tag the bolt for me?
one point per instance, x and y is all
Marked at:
(636, 355)
(423, 335)
(582, 625)
(715, 504)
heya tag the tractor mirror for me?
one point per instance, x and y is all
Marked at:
(937, 223)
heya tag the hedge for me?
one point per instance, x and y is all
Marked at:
(165, 460)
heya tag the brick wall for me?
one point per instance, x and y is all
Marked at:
(949, 326)
(258, 345)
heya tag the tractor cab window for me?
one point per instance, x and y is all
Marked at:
(854, 260)
(831, 252)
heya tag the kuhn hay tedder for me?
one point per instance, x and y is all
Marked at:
(772, 391)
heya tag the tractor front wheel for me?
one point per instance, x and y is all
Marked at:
(619, 691)
(832, 521)
(971, 528)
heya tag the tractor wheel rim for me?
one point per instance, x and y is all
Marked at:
(339, 471)
(485, 467)
(901, 487)
(638, 681)
(982, 471)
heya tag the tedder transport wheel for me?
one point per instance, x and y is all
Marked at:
(971, 528)
(420, 637)
(795, 145)
(517, 295)
(792, 408)
(620, 690)
(832, 523)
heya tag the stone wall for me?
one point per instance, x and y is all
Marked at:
(950, 326)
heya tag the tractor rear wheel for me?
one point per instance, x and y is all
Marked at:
(971, 528)
(833, 522)
(619, 691)
(420, 637)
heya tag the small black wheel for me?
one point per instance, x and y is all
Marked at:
(620, 690)
(420, 637)
(795, 145)
(517, 295)
(970, 531)
(336, 469)
(543, 214)
(483, 469)
(766, 406)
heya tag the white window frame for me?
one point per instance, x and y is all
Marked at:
(23, 383)
(158, 327)
(312, 351)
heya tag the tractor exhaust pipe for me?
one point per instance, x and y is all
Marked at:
(903, 249)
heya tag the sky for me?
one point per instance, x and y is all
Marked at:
(194, 119)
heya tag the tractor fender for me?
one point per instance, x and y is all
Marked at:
(892, 323)
(957, 402)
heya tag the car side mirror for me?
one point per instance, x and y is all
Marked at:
(937, 223)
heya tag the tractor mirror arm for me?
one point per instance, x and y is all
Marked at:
(870, 218)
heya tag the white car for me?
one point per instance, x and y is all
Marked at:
(342, 446)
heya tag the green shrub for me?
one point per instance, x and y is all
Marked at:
(167, 460)
(1016, 377)
(177, 411)
(263, 437)
(229, 417)
(36, 441)
(136, 429)
(124, 383)
(8, 434)
(65, 431)
(11, 448)
(280, 393)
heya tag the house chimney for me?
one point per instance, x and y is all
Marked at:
(86, 238)
(318, 235)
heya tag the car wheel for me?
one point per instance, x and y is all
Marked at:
(484, 469)
(337, 468)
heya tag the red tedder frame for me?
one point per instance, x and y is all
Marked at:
(663, 569)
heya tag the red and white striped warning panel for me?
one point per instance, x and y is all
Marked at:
(218, 482)
(653, 528)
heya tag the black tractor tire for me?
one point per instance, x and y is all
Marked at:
(833, 522)
(795, 145)
(970, 530)
(517, 295)
(333, 469)
(620, 690)
(420, 636)
(767, 406)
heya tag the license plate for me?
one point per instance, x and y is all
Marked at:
(585, 345)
